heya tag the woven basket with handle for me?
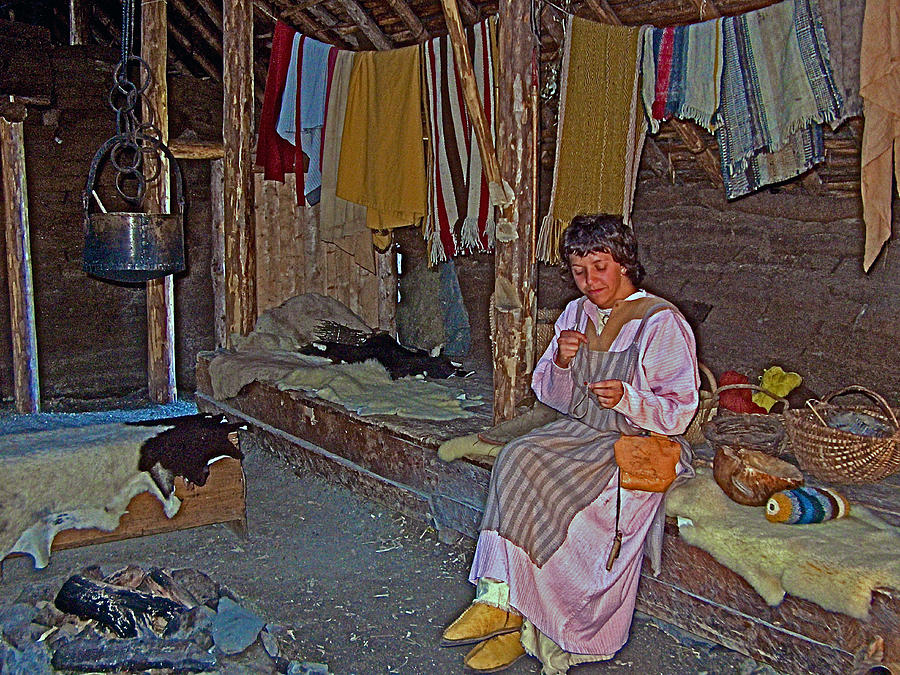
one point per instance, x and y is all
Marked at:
(839, 456)
(755, 431)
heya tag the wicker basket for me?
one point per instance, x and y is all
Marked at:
(838, 456)
(706, 408)
(754, 431)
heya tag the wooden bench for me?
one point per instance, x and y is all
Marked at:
(395, 462)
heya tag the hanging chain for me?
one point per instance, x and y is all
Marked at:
(136, 152)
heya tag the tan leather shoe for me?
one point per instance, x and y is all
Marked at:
(497, 653)
(480, 622)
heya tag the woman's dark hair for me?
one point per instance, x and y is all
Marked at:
(602, 233)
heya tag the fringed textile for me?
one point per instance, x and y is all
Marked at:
(600, 135)
(843, 20)
(382, 163)
(880, 89)
(303, 106)
(681, 73)
(460, 216)
(341, 223)
(777, 89)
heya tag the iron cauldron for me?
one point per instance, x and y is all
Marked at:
(133, 247)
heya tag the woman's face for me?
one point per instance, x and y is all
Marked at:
(600, 278)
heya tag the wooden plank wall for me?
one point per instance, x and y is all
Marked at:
(291, 260)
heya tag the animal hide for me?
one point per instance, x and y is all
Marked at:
(400, 361)
(70, 478)
(294, 323)
(186, 448)
(836, 564)
(363, 388)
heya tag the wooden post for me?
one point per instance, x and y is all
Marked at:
(515, 277)
(240, 238)
(18, 261)
(386, 272)
(160, 292)
(217, 261)
(473, 104)
(78, 22)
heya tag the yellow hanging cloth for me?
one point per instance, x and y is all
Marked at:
(600, 130)
(382, 164)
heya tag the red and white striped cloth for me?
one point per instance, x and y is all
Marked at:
(460, 216)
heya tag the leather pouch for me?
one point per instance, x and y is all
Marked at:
(647, 462)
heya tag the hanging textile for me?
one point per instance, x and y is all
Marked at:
(382, 164)
(341, 223)
(681, 73)
(273, 152)
(777, 89)
(843, 21)
(460, 216)
(880, 89)
(600, 135)
(303, 106)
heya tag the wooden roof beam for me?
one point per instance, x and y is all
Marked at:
(366, 24)
(212, 11)
(419, 33)
(302, 23)
(112, 30)
(328, 20)
(603, 11)
(707, 9)
(214, 40)
(468, 12)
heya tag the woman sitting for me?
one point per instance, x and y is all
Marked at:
(558, 559)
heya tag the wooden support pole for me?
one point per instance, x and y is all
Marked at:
(217, 259)
(78, 22)
(240, 236)
(386, 271)
(499, 195)
(160, 292)
(515, 271)
(18, 262)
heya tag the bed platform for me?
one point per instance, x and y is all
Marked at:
(394, 462)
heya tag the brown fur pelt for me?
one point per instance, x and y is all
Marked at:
(186, 447)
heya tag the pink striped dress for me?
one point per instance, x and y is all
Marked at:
(572, 598)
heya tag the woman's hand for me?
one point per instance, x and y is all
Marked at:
(567, 345)
(608, 392)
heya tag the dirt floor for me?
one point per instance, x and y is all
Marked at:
(365, 589)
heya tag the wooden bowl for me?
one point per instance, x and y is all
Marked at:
(750, 477)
